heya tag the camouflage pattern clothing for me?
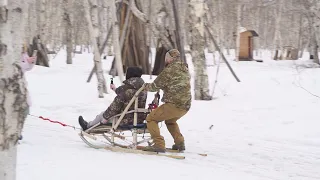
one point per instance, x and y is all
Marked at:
(174, 80)
(124, 94)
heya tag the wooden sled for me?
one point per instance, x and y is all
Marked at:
(112, 133)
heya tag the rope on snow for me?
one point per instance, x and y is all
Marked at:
(57, 122)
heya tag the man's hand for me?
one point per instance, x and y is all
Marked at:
(113, 87)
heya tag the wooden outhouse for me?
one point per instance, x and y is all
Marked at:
(246, 45)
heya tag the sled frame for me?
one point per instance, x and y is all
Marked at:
(111, 130)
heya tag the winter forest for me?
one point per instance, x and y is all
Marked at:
(255, 84)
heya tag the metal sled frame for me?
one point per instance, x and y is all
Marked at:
(109, 132)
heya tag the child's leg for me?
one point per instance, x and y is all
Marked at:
(98, 119)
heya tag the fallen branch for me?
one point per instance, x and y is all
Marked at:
(299, 84)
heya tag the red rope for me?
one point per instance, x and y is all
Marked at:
(58, 122)
(47, 119)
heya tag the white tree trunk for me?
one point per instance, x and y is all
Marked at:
(277, 33)
(239, 13)
(220, 22)
(212, 21)
(109, 49)
(13, 98)
(197, 49)
(116, 44)
(97, 56)
(68, 30)
(95, 17)
(300, 49)
(42, 24)
(314, 21)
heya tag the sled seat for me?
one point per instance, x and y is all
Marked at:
(129, 127)
(141, 128)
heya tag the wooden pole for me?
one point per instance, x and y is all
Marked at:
(179, 36)
(135, 122)
(222, 55)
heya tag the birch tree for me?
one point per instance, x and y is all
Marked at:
(313, 16)
(238, 28)
(277, 33)
(115, 36)
(93, 32)
(68, 29)
(13, 98)
(197, 11)
(42, 23)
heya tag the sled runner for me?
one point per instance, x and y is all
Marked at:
(114, 133)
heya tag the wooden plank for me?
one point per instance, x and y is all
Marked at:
(173, 151)
(133, 151)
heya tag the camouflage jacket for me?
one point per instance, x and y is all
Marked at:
(124, 94)
(174, 80)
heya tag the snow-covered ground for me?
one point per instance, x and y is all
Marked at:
(265, 127)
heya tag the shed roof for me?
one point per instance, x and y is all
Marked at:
(254, 33)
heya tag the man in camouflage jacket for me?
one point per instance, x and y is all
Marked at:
(124, 93)
(174, 80)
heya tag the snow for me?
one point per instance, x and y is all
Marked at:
(264, 128)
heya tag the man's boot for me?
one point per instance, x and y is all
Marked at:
(179, 146)
(154, 149)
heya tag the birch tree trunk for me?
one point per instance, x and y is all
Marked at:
(115, 36)
(313, 39)
(277, 34)
(239, 13)
(197, 49)
(13, 92)
(314, 23)
(97, 56)
(109, 48)
(68, 29)
(42, 24)
(300, 49)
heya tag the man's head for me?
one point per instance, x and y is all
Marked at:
(171, 56)
(133, 72)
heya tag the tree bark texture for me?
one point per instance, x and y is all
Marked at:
(239, 13)
(135, 50)
(13, 92)
(116, 44)
(196, 9)
(68, 30)
(97, 56)
(277, 33)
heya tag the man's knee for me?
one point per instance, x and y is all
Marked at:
(150, 118)
(170, 123)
